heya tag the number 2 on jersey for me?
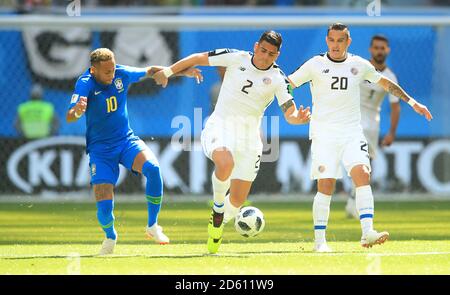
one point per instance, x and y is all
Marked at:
(111, 104)
(250, 84)
(258, 162)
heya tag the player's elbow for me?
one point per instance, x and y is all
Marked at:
(385, 83)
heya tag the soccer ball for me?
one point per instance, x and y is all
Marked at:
(249, 222)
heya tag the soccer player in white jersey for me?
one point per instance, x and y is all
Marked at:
(336, 132)
(372, 96)
(231, 137)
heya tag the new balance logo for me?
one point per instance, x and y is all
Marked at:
(326, 71)
(97, 92)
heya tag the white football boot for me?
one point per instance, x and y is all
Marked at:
(155, 232)
(374, 238)
(350, 209)
(108, 246)
(322, 248)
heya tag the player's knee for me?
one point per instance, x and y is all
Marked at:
(151, 170)
(224, 164)
(104, 191)
(366, 175)
(326, 186)
(364, 179)
(361, 175)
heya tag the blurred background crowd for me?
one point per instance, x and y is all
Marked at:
(32, 5)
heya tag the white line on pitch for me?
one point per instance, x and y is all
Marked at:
(228, 254)
(338, 254)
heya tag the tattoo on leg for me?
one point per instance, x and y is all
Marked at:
(104, 191)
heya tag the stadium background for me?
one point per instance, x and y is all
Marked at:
(36, 50)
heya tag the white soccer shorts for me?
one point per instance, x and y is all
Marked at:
(246, 150)
(372, 139)
(328, 154)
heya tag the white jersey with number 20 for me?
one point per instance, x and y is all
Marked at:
(335, 89)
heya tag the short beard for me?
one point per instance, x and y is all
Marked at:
(379, 60)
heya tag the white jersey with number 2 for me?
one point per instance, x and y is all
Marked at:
(245, 94)
(247, 91)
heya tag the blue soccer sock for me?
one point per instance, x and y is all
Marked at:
(105, 217)
(153, 207)
(153, 191)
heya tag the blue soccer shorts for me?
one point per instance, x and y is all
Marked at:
(104, 165)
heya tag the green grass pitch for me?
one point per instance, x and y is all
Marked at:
(49, 238)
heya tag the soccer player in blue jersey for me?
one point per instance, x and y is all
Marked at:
(101, 93)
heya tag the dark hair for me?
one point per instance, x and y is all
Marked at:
(338, 27)
(271, 37)
(380, 38)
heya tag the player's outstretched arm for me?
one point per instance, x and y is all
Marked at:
(77, 111)
(396, 90)
(294, 116)
(182, 66)
(190, 72)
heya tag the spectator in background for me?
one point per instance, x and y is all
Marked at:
(28, 6)
(36, 118)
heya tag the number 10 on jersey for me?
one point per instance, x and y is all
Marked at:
(111, 104)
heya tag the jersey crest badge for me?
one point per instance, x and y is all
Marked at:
(354, 71)
(74, 98)
(267, 81)
(93, 170)
(119, 84)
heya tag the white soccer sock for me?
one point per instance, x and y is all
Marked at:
(220, 188)
(321, 211)
(365, 207)
(230, 210)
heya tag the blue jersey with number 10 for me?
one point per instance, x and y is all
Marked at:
(106, 113)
